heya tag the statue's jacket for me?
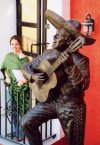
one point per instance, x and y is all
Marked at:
(73, 76)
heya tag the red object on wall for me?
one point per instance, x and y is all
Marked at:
(78, 10)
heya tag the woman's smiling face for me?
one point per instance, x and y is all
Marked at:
(15, 46)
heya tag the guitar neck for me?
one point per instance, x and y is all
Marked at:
(56, 64)
(53, 67)
(75, 45)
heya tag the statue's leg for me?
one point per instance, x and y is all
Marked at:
(33, 119)
(72, 118)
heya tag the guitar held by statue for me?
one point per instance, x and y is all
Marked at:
(41, 90)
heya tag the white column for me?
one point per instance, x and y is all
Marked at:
(7, 25)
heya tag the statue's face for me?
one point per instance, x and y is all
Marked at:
(60, 39)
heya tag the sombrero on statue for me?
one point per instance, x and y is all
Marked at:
(72, 26)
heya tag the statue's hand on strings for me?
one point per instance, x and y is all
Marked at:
(63, 57)
(40, 77)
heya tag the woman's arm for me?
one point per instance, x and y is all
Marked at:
(7, 78)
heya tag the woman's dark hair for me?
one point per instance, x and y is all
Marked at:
(16, 37)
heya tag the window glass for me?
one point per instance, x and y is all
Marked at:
(29, 36)
(29, 11)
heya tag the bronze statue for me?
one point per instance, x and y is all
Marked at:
(68, 70)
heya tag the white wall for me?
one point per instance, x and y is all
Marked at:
(7, 26)
(7, 29)
(56, 6)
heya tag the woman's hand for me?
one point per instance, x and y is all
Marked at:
(8, 80)
(20, 83)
